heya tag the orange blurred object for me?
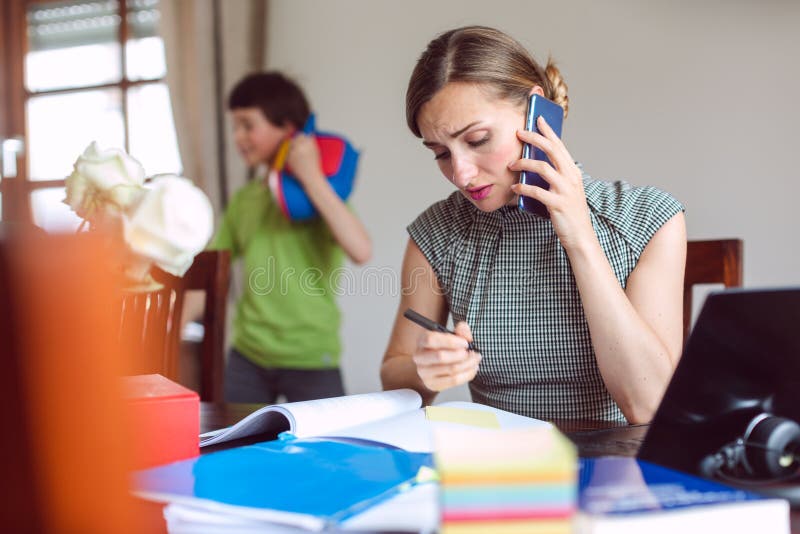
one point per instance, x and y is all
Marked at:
(69, 447)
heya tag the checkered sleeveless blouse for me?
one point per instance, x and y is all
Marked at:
(506, 274)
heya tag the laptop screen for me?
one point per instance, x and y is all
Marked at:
(742, 358)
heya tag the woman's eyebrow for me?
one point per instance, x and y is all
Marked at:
(453, 135)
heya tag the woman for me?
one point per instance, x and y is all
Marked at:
(573, 317)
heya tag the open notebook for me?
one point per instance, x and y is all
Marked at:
(393, 418)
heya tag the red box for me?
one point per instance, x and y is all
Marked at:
(165, 420)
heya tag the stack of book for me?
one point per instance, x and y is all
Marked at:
(506, 481)
(360, 462)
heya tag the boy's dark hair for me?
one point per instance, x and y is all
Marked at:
(280, 99)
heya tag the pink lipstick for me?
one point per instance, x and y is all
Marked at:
(479, 193)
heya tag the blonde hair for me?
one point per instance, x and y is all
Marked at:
(485, 56)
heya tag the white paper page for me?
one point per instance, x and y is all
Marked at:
(262, 420)
(228, 513)
(320, 417)
(416, 510)
(408, 430)
(413, 432)
(184, 519)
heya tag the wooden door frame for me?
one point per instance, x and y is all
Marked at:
(15, 198)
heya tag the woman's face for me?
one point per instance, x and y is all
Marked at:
(473, 138)
(257, 139)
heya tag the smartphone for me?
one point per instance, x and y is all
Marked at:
(554, 115)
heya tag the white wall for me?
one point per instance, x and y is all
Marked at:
(700, 100)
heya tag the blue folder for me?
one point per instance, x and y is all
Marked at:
(623, 485)
(326, 479)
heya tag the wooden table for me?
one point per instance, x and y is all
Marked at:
(593, 438)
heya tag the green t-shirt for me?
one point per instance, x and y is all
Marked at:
(287, 315)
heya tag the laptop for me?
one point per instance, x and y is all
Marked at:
(742, 358)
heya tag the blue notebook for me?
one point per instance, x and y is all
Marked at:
(623, 495)
(310, 483)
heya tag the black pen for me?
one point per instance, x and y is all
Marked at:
(424, 322)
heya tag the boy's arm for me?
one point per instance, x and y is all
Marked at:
(345, 227)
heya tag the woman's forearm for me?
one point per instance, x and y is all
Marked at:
(399, 371)
(635, 363)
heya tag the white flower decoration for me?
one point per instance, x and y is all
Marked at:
(170, 224)
(104, 182)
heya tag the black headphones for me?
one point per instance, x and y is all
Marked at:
(767, 452)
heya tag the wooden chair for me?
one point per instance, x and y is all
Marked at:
(717, 261)
(152, 321)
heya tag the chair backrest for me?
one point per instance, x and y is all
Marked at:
(717, 261)
(211, 272)
(149, 326)
(152, 320)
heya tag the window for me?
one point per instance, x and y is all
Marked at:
(94, 71)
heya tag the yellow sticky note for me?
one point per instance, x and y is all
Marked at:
(479, 418)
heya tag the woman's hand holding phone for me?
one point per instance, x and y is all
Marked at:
(565, 200)
(443, 360)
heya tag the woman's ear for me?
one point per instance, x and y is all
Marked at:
(536, 90)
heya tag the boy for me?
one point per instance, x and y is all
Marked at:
(286, 328)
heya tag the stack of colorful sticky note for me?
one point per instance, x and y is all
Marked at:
(506, 481)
